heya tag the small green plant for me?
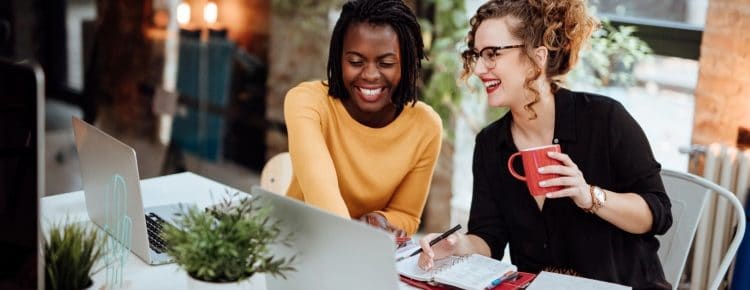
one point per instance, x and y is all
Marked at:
(228, 242)
(611, 56)
(70, 252)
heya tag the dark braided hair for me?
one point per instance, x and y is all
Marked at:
(398, 16)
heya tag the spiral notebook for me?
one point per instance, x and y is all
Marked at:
(472, 272)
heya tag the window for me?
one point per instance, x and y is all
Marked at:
(673, 29)
(670, 27)
(688, 12)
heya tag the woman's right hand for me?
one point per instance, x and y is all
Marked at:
(440, 250)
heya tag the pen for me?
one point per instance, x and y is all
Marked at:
(508, 276)
(434, 241)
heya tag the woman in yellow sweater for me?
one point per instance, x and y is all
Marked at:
(362, 145)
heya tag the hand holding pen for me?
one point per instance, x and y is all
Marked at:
(443, 249)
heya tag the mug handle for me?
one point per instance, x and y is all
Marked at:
(510, 167)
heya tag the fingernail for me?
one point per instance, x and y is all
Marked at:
(540, 169)
(542, 183)
(548, 195)
(550, 153)
(431, 254)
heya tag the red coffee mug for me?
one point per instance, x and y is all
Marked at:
(533, 159)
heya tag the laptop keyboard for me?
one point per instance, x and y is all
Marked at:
(154, 225)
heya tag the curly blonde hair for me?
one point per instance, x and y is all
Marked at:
(562, 26)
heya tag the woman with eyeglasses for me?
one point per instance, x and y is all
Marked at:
(362, 145)
(602, 223)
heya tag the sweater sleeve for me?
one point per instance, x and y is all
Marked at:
(405, 208)
(304, 108)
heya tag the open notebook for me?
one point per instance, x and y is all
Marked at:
(466, 272)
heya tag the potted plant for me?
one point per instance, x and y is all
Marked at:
(226, 245)
(70, 252)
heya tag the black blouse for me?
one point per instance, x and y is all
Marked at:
(613, 153)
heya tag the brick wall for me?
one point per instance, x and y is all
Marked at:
(722, 97)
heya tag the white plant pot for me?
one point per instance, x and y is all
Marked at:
(256, 282)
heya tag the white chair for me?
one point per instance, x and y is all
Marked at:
(689, 195)
(277, 174)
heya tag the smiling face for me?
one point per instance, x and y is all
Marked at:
(504, 82)
(371, 71)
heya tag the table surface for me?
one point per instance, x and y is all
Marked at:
(184, 187)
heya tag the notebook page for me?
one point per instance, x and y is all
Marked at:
(554, 281)
(474, 272)
(409, 267)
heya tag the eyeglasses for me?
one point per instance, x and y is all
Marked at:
(489, 54)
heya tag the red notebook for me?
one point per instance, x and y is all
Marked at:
(519, 282)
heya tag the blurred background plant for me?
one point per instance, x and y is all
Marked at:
(610, 57)
(444, 32)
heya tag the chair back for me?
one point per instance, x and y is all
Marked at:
(688, 200)
(277, 174)
(689, 195)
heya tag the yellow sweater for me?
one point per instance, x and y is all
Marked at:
(350, 169)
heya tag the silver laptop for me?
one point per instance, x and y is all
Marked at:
(103, 157)
(330, 252)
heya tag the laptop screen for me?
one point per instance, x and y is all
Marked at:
(21, 174)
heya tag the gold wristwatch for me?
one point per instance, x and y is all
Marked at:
(598, 197)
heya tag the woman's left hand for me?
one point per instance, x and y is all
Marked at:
(379, 221)
(571, 179)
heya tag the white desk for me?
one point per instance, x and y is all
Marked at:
(170, 189)
(182, 187)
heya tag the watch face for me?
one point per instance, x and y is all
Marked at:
(599, 194)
